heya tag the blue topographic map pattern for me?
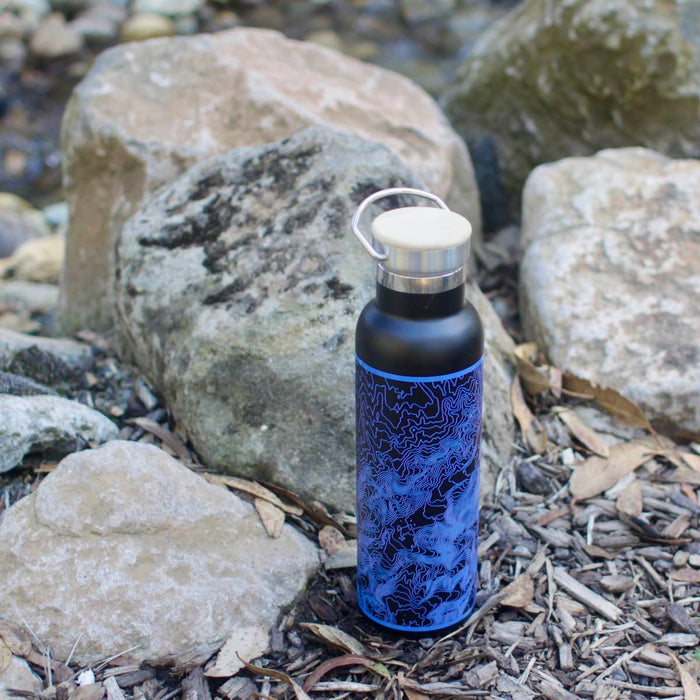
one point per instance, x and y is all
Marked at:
(418, 445)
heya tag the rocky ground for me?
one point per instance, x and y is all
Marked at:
(149, 567)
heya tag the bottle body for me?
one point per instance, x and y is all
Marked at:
(418, 397)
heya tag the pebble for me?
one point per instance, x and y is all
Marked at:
(169, 8)
(37, 260)
(326, 38)
(56, 215)
(11, 202)
(55, 39)
(18, 227)
(680, 558)
(694, 560)
(568, 457)
(147, 26)
(531, 479)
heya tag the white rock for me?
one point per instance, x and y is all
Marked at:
(149, 110)
(170, 8)
(142, 26)
(37, 423)
(609, 277)
(55, 38)
(128, 547)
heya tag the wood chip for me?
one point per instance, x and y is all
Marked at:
(519, 593)
(114, 692)
(5, 656)
(586, 595)
(598, 474)
(585, 435)
(686, 575)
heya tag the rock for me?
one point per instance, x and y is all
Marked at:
(46, 360)
(100, 23)
(130, 547)
(31, 10)
(419, 11)
(34, 297)
(250, 341)
(136, 122)
(169, 8)
(21, 386)
(141, 27)
(18, 226)
(531, 479)
(609, 277)
(9, 201)
(47, 423)
(36, 260)
(55, 39)
(56, 215)
(552, 80)
(327, 38)
(18, 676)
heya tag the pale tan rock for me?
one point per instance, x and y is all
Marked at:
(144, 26)
(147, 111)
(55, 39)
(609, 277)
(18, 676)
(36, 260)
(128, 546)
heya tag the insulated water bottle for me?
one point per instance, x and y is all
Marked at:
(419, 348)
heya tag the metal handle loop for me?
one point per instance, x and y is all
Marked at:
(355, 225)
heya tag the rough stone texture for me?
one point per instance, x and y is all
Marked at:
(127, 546)
(609, 278)
(148, 111)
(46, 360)
(47, 423)
(18, 676)
(569, 77)
(251, 339)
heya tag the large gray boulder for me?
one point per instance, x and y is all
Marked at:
(123, 547)
(609, 277)
(148, 111)
(569, 77)
(238, 289)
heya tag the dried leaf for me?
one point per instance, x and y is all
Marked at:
(331, 539)
(271, 516)
(414, 694)
(519, 593)
(532, 429)
(534, 380)
(556, 380)
(691, 689)
(336, 637)
(299, 693)
(250, 641)
(340, 662)
(629, 502)
(253, 488)
(598, 474)
(314, 510)
(585, 435)
(5, 656)
(168, 437)
(608, 399)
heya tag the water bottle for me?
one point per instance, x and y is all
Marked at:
(419, 348)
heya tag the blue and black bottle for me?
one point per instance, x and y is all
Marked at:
(419, 348)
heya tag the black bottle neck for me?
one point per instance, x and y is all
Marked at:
(421, 305)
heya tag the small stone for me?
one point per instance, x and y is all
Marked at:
(694, 560)
(18, 226)
(34, 297)
(419, 11)
(11, 202)
(144, 26)
(19, 348)
(531, 479)
(36, 260)
(139, 551)
(327, 38)
(680, 558)
(616, 584)
(568, 457)
(11, 27)
(41, 423)
(18, 676)
(56, 215)
(55, 39)
(169, 8)
(187, 24)
(345, 558)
